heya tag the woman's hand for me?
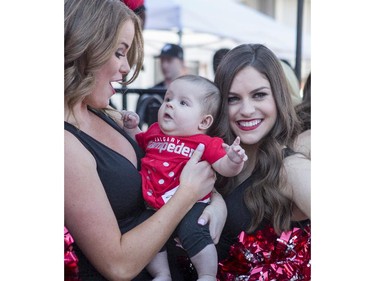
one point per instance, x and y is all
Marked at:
(215, 214)
(197, 178)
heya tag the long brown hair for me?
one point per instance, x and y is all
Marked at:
(263, 197)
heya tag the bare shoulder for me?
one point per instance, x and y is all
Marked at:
(296, 160)
(297, 168)
(77, 159)
(303, 143)
(73, 148)
(304, 137)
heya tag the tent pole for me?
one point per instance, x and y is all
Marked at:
(297, 68)
(179, 32)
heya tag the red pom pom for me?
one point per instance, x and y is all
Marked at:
(70, 258)
(266, 256)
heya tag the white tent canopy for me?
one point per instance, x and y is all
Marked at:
(226, 19)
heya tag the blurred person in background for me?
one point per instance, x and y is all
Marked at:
(303, 141)
(218, 55)
(171, 63)
(172, 66)
(293, 83)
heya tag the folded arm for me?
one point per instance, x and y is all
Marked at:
(92, 223)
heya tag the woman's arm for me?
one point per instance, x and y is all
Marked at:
(91, 221)
(298, 175)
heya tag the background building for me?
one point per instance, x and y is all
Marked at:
(201, 30)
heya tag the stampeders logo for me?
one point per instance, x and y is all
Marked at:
(178, 147)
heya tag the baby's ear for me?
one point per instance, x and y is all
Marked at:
(206, 122)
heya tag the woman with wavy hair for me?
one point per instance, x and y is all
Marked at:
(109, 234)
(267, 232)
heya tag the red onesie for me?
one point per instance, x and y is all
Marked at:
(165, 158)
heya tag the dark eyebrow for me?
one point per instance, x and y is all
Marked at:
(259, 89)
(253, 91)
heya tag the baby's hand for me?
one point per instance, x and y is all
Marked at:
(130, 119)
(235, 152)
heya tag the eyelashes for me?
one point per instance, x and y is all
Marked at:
(118, 55)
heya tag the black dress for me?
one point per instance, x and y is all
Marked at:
(122, 184)
(263, 253)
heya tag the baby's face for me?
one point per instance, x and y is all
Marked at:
(181, 112)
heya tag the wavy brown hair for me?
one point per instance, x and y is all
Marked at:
(90, 38)
(263, 197)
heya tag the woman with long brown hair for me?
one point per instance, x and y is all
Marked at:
(267, 232)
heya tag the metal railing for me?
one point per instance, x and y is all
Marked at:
(124, 91)
(148, 104)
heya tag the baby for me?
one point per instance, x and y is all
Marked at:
(188, 110)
